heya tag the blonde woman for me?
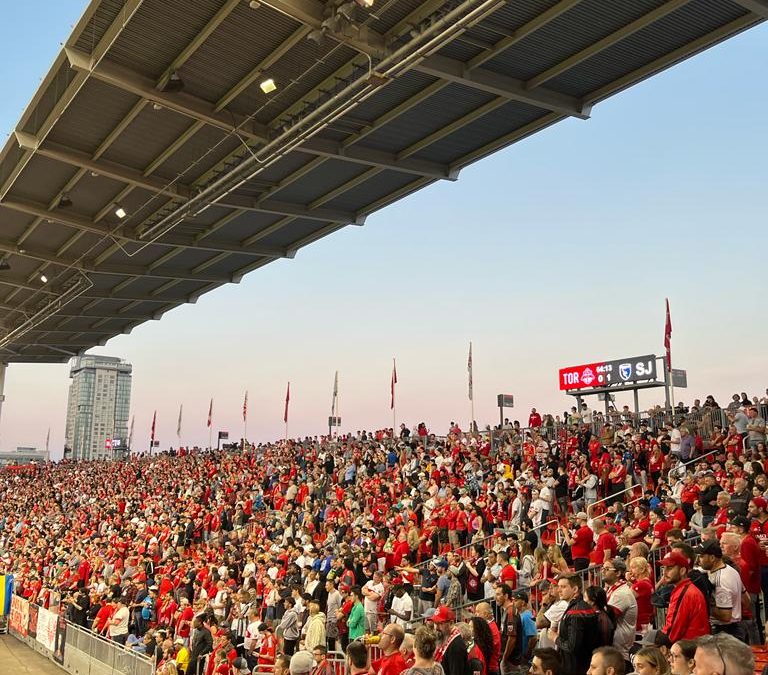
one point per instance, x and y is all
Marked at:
(650, 661)
(557, 561)
(639, 575)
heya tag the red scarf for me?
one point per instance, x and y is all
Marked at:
(440, 651)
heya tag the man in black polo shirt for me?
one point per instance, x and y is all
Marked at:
(452, 649)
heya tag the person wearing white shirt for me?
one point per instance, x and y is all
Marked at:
(373, 590)
(401, 611)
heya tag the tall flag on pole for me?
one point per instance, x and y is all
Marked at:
(393, 383)
(210, 414)
(668, 338)
(130, 433)
(178, 425)
(245, 406)
(335, 392)
(287, 398)
(47, 440)
(469, 370)
(154, 421)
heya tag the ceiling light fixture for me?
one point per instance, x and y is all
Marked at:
(44, 278)
(268, 86)
(120, 212)
(254, 4)
(4, 265)
(317, 36)
(174, 83)
(64, 200)
(365, 3)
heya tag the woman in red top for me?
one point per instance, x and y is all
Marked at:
(639, 575)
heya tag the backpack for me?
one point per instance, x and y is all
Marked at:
(701, 581)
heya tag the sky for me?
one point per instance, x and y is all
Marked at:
(557, 251)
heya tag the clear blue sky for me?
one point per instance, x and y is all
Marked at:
(557, 251)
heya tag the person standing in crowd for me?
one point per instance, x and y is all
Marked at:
(511, 631)
(581, 543)
(687, 614)
(356, 620)
(424, 648)
(681, 655)
(577, 629)
(725, 614)
(451, 651)
(484, 611)
(118, 624)
(201, 646)
(289, 626)
(622, 603)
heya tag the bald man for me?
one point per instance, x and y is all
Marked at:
(484, 611)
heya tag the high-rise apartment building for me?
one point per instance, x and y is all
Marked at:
(98, 406)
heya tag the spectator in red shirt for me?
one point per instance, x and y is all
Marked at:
(637, 530)
(582, 542)
(661, 526)
(534, 419)
(639, 574)
(392, 661)
(606, 547)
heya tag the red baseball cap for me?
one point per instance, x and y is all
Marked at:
(675, 558)
(443, 615)
(760, 503)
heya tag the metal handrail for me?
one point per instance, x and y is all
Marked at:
(692, 461)
(605, 499)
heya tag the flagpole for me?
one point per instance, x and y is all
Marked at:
(471, 392)
(285, 416)
(245, 418)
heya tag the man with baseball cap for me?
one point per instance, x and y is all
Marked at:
(725, 615)
(582, 541)
(687, 615)
(622, 601)
(451, 652)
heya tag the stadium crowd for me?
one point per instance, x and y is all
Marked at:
(600, 544)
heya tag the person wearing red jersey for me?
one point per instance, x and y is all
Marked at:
(268, 648)
(183, 620)
(688, 495)
(534, 419)
(606, 547)
(687, 615)
(392, 661)
(638, 528)
(582, 542)
(674, 514)
(661, 526)
(720, 521)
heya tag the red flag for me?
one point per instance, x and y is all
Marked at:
(287, 398)
(154, 420)
(210, 413)
(668, 338)
(469, 370)
(394, 382)
(245, 406)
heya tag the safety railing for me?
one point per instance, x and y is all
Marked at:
(590, 507)
(77, 650)
(696, 460)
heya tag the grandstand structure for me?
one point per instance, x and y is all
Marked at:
(176, 145)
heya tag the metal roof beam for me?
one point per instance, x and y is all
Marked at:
(604, 43)
(758, 7)
(111, 170)
(184, 104)
(85, 224)
(293, 210)
(501, 85)
(373, 157)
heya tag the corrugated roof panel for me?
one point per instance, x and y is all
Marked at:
(231, 53)
(10, 160)
(91, 193)
(513, 15)
(53, 93)
(362, 196)
(41, 179)
(107, 12)
(177, 21)
(581, 26)
(386, 98)
(439, 110)
(679, 28)
(285, 166)
(147, 137)
(460, 50)
(13, 223)
(203, 151)
(328, 176)
(383, 19)
(485, 129)
(230, 264)
(244, 226)
(92, 116)
(296, 74)
(292, 232)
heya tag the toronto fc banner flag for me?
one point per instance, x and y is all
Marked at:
(392, 385)
(287, 399)
(210, 414)
(668, 339)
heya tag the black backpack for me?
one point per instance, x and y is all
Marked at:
(701, 581)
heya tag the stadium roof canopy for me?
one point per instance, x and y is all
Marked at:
(160, 111)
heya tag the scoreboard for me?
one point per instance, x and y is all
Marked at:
(607, 373)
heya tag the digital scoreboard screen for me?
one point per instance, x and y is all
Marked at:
(607, 373)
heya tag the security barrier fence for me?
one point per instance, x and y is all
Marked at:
(77, 650)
